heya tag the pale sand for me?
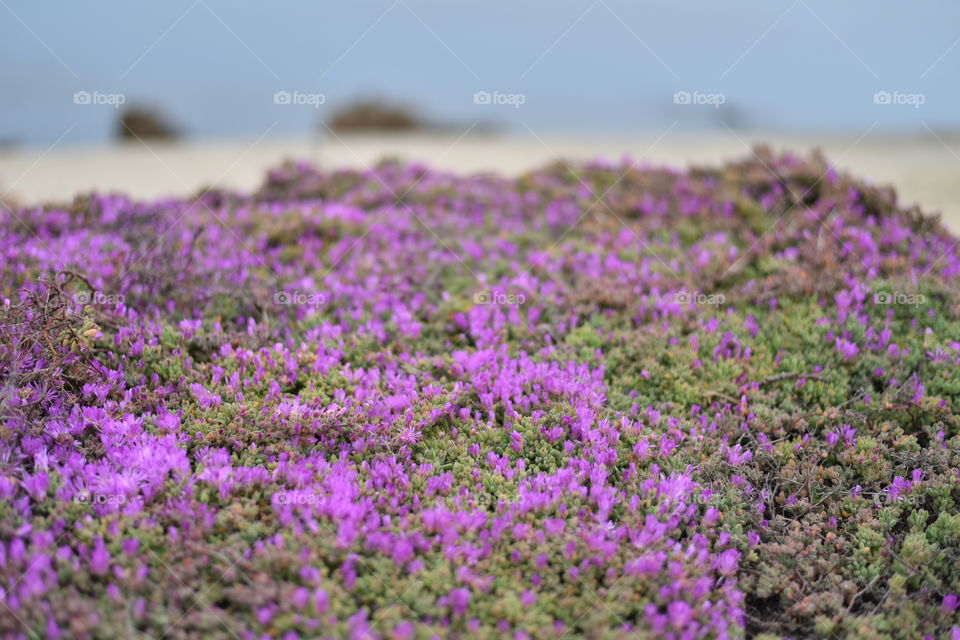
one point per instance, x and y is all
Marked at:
(924, 170)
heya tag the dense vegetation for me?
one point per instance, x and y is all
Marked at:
(595, 401)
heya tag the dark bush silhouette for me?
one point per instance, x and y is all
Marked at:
(144, 122)
(376, 115)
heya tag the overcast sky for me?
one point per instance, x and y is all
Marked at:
(587, 67)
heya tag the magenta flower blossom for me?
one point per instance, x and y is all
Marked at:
(680, 614)
(950, 603)
(847, 350)
(727, 561)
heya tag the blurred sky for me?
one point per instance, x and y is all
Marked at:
(582, 67)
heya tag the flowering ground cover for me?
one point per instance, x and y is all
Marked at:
(595, 401)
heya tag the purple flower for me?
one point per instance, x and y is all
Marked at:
(727, 562)
(846, 349)
(459, 601)
(950, 603)
(404, 631)
(99, 558)
(680, 614)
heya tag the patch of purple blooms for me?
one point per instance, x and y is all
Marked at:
(400, 403)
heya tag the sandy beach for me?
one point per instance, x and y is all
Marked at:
(923, 169)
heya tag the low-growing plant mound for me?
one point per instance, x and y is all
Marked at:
(595, 401)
